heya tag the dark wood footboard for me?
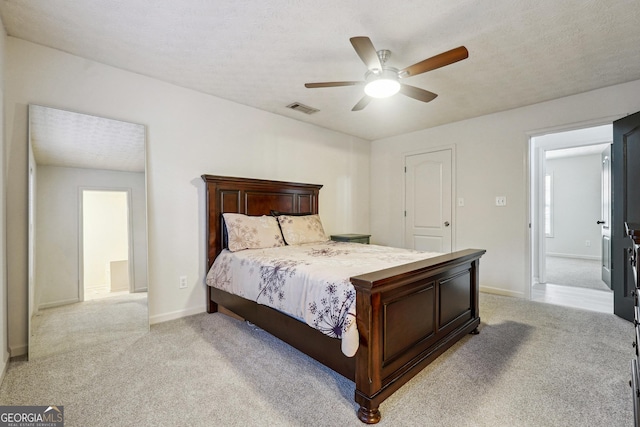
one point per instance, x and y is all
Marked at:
(407, 316)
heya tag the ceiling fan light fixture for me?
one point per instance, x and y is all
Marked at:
(383, 84)
(382, 88)
(382, 81)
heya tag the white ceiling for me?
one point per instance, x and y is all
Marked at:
(585, 150)
(260, 53)
(68, 139)
(577, 142)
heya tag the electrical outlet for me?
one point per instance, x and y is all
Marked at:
(183, 282)
(587, 242)
(501, 201)
(460, 201)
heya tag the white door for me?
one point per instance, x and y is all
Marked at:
(428, 196)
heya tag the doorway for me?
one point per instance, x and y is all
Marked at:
(106, 244)
(569, 218)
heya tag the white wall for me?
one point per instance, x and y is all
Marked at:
(576, 206)
(491, 153)
(189, 134)
(58, 228)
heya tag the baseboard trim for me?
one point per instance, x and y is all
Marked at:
(589, 257)
(499, 291)
(159, 318)
(5, 365)
(19, 350)
(58, 303)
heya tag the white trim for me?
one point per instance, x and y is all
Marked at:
(500, 291)
(131, 261)
(575, 126)
(5, 365)
(20, 350)
(58, 303)
(81, 243)
(529, 248)
(159, 318)
(589, 257)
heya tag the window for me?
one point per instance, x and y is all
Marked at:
(548, 205)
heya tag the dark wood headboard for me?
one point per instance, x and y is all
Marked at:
(251, 197)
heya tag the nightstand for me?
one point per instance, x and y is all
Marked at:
(353, 238)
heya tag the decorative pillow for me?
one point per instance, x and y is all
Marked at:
(302, 229)
(252, 232)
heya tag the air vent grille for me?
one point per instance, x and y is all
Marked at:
(302, 108)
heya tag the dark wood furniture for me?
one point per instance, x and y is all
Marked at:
(353, 238)
(633, 232)
(625, 194)
(406, 316)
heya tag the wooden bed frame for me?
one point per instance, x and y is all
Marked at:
(406, 316)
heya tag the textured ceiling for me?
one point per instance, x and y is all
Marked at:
(67, 139)
(260, 53)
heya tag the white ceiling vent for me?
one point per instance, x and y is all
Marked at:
(302, 108)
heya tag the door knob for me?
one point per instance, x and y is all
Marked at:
(446, 223)
(600, 222)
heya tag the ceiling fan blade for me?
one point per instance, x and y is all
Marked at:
(331, 84)
(365, 50)
(417, 93)
(362, 103)
(441, 60)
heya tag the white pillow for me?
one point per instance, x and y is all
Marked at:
(302, 229)
(252, 232)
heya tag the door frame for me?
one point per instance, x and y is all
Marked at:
(534, 156)
(81, 191)
(606, 226)
(454, 212)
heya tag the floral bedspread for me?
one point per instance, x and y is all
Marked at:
(309, 282)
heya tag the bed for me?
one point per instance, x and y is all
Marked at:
(406, 316)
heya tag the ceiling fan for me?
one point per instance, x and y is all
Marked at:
(382, 81)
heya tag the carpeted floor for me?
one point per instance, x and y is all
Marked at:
(576, 272)
(532, 364)
(75, 327)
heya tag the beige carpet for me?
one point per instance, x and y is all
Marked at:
(75, 327)
(575, 272)
(532, 364)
